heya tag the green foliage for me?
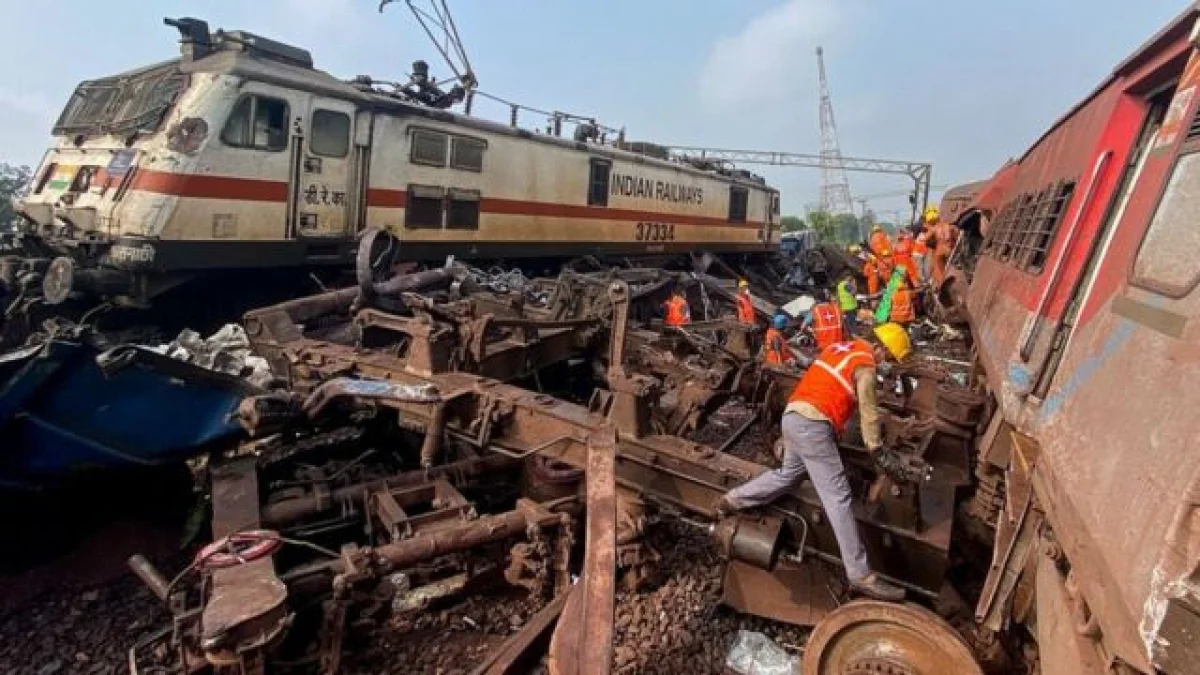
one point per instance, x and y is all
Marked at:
(840, 229)
(13, 182)
(791, 224)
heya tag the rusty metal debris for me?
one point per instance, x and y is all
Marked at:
(439, 430)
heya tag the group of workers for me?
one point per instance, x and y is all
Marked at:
(840, 379)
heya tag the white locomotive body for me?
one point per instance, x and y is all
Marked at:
(240, 155)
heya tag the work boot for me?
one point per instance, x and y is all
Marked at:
(874, 586)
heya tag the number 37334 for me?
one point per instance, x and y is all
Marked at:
(645, 231)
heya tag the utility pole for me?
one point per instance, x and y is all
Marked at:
(835, 187)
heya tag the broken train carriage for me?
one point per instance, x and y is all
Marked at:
(241, 158)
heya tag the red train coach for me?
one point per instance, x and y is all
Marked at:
(1082, 300)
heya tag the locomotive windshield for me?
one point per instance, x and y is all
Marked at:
(122, 104)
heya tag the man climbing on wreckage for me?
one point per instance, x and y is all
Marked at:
(820, 406)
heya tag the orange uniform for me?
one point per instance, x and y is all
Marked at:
(775, 348)
(945, 235)
(881, 244)
(828, 384)
(745, 308)
(827, 324)
(871, 272)
(677, 311)
(903, 309)
(904, 257)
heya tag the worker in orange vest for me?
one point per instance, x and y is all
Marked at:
(904, 310)
(904, 257)
(880, 244)
(943, 238)
(921, 246)
(676, 310)
(826, 321)
(871, 272)
(745, 305)
(840, 379)
(775, 346)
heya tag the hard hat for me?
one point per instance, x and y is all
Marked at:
(779, 322)
(931, 214)
(855, 249)
(742, 283)
(877, 228)
(895, 339)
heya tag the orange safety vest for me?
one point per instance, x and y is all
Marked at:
(945, 235)
(678, 313)
(775, 349)
(745, 308)
(871, 272)
(903, 310)
(881, 244)
(827, 324)
(828, 384)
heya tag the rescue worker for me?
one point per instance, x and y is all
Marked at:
(745, 305)
(921, 245)
(904, 257)
(871, 272)
(880, 244)
(818, 410)
(826, 324)
(676, 310)
(943, 237)
(847, 294)
(775, 346)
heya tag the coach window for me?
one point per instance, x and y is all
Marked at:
(1166, 261)
(598, 178)
(424, 208)
(466, 153)
(257, 122)
(428, 147)
(330, 133)
(462, 209)
(1047, 226)
(738, 200)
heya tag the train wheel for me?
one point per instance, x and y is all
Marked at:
(881, 638)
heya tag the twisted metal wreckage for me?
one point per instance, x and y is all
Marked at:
(417, 448)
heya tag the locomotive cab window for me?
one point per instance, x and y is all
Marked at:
(258, 123)
(330, 133)
(598, 182)
(1165, 262)
(428, 147)
(424, 208)
(466, 153)
(739, 198)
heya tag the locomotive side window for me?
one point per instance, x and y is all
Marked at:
(428, 147)
(466, 153)
(739, 198)
(462, 209)
(330, 133)
(1166, 261)
(598, 182)
(257, 122)
(424, 208)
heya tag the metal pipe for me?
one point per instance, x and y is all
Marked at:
(485, 530)
(1068, 243)
(150, 576)
(431, 446)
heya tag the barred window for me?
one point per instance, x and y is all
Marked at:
(1041, 236)
(428, 147)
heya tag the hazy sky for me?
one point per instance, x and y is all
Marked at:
(962, 84)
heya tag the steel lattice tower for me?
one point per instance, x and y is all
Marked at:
(835, 187)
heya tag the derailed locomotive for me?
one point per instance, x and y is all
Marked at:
(240, 155)
(1082, 301)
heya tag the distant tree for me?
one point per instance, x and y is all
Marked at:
(792, 224)
(822, 223)
(846, 228)
(14, 180)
